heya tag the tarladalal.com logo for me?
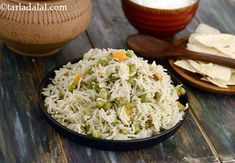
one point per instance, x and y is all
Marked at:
(32, 7)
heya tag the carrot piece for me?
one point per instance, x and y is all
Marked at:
(76, 80)
(120, 56)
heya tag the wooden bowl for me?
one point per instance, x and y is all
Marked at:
(42, 33)
(158, 22)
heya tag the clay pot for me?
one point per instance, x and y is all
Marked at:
(42, 33)
(158, 22)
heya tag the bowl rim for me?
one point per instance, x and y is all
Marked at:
(196, 3)
(51, 72)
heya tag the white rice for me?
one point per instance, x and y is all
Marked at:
(146, 119)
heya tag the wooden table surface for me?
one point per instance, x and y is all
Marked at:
(208, 134)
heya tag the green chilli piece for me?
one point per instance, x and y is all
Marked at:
(95, 133)
(107, 106)
(132, 69)
(130, 54)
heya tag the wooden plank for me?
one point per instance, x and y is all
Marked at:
(216, 115)
(184, 146)
(22, 127)
(219, 14)
(25, 136)
(110, 29)
(23, 139)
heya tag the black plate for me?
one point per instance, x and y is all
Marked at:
(102, 143)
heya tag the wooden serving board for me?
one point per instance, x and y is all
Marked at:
(194, 79)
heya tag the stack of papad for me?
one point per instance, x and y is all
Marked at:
(209, 40)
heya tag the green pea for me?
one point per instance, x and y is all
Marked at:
(132, 69)
(130, 53)
(132, 119)
(95, 133)
(137, 128)
(107, 106)
(103, 62)
(144, 98)
(96, 86)
(131, 80)
(108, 112)
(117, 121)
(131, 104)
(181, 91)
(121, 102)
(124, 131)
(60, 120)
(86, 112)
(103, 94)
(71, 87)
(100, 102)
